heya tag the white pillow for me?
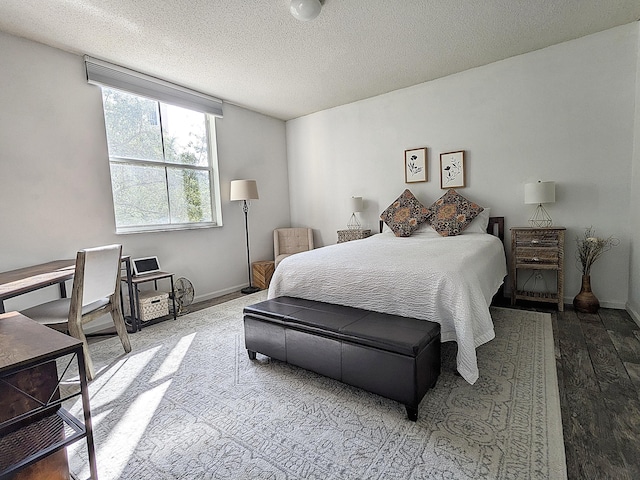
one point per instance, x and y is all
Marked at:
(479, 224)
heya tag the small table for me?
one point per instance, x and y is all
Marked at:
(352, 234)
(133, 282)
(262, 273)
(537, 248)
(30, 400)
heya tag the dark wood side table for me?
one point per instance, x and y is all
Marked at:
(34, 427)
(539, 248)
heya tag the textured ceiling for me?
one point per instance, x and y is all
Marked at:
(255, 54)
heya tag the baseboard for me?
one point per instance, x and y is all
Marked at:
(219, 293)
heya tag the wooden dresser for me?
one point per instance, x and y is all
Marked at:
(537, 249)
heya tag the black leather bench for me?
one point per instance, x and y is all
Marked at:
(392, 356)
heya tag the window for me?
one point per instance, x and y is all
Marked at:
(162, 151)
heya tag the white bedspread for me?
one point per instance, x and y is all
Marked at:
(449, 280)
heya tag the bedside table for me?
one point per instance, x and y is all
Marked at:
(537, 249)
(352, 234)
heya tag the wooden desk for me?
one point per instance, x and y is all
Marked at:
(34, 427)
(29, 279)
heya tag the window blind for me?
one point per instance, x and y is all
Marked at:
(114, 76)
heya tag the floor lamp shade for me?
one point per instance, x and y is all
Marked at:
(244, 190)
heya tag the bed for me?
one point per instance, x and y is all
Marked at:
(448, 280)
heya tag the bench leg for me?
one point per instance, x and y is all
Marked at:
(412, 413)
(252, 354)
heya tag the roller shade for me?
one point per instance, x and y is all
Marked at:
(110, 75)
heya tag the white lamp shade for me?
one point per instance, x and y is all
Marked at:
(243, 190)
(355, 204)
(540, 192)
(305, 10)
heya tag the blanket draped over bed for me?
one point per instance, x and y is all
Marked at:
(449, 280)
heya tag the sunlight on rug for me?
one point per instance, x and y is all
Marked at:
(187, 403)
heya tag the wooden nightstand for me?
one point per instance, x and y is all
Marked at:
(352, 234)
(262, 273)
(537, 249)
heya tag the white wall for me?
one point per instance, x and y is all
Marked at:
(565, 113)
(633, 305)
(56, 192)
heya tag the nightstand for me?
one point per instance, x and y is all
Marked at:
(537, 249)
(352, 234)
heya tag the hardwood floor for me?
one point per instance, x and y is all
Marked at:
(598, 366)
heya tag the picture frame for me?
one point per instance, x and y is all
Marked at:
(415, 165)
(452, 172)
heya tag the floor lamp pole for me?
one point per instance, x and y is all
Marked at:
(250, 288)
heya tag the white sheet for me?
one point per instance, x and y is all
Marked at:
(449, 280)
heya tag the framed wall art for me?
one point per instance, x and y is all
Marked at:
(452, 169)
(415, 165)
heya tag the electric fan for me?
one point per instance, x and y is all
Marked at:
(183, 294)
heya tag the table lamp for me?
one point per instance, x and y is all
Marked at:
(540, 193)
(356, 206)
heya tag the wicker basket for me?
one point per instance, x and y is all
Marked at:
(153, 304)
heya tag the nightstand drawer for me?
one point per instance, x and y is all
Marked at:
(537, 238)
(536, 256)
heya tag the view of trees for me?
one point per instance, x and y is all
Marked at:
(159, 161)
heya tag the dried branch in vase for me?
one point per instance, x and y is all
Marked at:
(590, 248)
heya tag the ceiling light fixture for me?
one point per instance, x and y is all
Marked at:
(305, 10)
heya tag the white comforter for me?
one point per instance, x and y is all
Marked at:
(449, 280)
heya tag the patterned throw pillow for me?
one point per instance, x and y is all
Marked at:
(452, 213)
(405, 214)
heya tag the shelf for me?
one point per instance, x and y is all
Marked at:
(38, 439)
(537, 296)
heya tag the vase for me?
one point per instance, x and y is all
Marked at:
(586, 301)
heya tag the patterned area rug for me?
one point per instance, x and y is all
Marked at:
(187, 403)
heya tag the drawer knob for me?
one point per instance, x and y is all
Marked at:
(534, 241)
(535, 259)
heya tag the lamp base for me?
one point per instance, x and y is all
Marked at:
(540, 218)
(250, 289)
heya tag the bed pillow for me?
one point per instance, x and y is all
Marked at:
(480, 223)
(452, 213)
(405, 214)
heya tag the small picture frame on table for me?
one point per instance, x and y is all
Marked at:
(452, 169)
(415, 165)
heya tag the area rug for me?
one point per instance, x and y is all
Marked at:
(187, 403)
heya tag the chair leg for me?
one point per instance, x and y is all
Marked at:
(76, 332)
(121, 327)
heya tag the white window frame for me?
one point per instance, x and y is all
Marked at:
(115, 77)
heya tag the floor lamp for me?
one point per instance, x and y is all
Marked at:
(245, 190)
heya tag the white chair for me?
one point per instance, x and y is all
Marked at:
(96, 291)
(288, 241)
